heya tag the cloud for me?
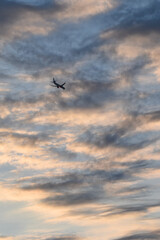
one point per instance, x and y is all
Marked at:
(58, 183)
(137, 208)
(80, 10)
(74, 198)
(6, 237)
(37, 4)
(64, 238)
(122, 135)
(75, 189)
(91, 151)
(73, 180)
(40, 52)
(142, 164)
(130, 19)
(94, 96)
(142, 235)
(25, 139)
(146, 20)
(12, 11)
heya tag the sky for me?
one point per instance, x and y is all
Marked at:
(81, 163)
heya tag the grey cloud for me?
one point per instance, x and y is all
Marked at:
(82, 197)
(24, 98)
(138, 140)
(143, 20)
(99, 140)
(27, 137)
(58, 183)
(5, 76)
(81, 39)
(11, 11)
(122, 135)
(38, 4)
(64, 153)
(153, 116)
(142, 117)
(94, 96)
(113, 210)
(133, 18)
(136, 208)
(101, 70)
(142, 164)
(99, 87)
(30, 139)
(135, 67)
(6, 167)
(153, 235)
(77, 188)
(67, 155)
(13, 123)
(8, 121)
(74, 180)
(39, 52)
(133, 190)
(91, 83)
(8, 13)
(63, 238)
(126, 210)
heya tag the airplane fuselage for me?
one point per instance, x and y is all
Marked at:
(58, 85)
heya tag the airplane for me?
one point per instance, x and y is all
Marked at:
(57, 85)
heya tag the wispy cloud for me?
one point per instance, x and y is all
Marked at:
(80, 163)
(146, 235)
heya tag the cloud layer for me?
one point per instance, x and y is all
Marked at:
(80, 163)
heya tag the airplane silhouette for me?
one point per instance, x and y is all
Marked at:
(57, 85)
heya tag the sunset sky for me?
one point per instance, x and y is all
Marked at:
(81, 163)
